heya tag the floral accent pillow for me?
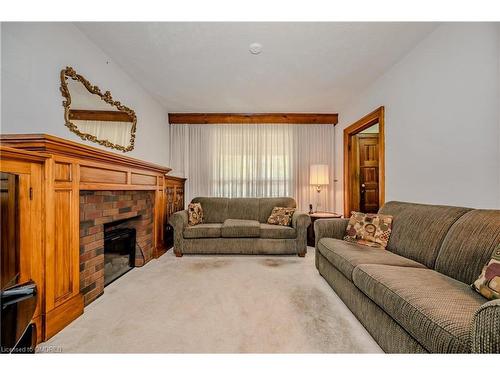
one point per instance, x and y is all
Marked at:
(281, 216)
(195, 214)
(369, 229)
(488, 283)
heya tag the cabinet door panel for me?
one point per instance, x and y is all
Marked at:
(65, 256)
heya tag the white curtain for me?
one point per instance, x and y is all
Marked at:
(116, 132)
(254, 160)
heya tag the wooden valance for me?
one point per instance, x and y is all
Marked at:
(253, 118)
(94, 115)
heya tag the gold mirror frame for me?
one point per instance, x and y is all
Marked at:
(69, 72)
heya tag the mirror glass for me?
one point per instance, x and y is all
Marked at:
(94, 115)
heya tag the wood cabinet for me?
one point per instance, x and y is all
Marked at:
(174, 201)
(54, 172)
(28, 169)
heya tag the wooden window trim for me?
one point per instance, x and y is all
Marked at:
(377, 116)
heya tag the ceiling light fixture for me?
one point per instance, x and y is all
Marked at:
(255, 48)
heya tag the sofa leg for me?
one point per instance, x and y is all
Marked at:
(178, 254)
(302, 255)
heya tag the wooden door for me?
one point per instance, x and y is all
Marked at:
(368, 172)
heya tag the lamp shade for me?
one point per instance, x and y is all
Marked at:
(319, 174)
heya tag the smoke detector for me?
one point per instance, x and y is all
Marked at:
(255, 48)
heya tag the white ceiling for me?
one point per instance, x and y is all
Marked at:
(303, 67)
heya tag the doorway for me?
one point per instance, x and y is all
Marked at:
(364, 167)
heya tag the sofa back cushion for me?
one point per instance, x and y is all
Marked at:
(266, 206)
(418, 230)
(217, 210)
(214, 209)
(243, 208)
(469, 245)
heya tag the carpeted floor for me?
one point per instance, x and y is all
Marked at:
(218, 304)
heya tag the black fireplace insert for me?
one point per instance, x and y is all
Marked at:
(119, 253)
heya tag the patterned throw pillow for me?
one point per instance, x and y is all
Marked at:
(369, 229)
(195, 214)
(281, 216)
(488, 283)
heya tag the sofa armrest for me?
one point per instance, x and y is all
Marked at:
(485, 329)
(179, 220)
(300, 222)
(329, 228)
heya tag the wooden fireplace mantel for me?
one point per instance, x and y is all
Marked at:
(68, 168)
(58, 146)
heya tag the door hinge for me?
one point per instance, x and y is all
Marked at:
(31, 193)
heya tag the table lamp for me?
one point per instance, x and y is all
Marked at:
(318, 177)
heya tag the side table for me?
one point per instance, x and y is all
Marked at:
(315, 216)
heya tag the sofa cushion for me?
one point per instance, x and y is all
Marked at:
(369, 229)
(195, 214)
(243, 208)
(345, 256)
(281, 216)
(488, 283)
(277, 231)
(418, 230)
(240, 228)
(214, 209)
(203, 231)
(469, 244)
(266, 206)
(434, 309)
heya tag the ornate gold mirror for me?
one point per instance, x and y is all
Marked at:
(95, 116)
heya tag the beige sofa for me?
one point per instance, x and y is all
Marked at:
(239, 226)
(416, 297)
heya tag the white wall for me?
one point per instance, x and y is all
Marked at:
(442, 119)
(33, 55)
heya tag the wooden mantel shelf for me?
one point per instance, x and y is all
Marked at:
(58, 146)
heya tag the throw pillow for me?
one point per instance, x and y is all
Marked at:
(488, 283)
(281, 216)
(369, 229)
(195, 213)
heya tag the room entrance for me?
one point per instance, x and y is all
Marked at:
(364, 164)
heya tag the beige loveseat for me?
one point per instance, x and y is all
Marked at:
(239, 226)
(416, 296)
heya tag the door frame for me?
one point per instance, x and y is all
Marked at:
(377, 116)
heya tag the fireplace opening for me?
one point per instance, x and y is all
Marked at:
(119, 252)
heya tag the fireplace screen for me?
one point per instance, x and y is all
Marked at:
(119, 253)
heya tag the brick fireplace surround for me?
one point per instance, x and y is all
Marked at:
(102, 207)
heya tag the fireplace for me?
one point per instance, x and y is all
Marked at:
(102, 212)
(119, 252)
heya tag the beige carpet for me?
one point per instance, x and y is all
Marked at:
(218, 304)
